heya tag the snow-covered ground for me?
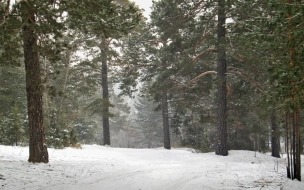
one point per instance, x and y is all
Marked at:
(104, 168)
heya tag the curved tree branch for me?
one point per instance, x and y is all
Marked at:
(245, 76)
(201, 75)
(203, 53)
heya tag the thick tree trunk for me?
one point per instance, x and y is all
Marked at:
(221, 147)
(105, 93)
(293, 145)
(165, 115)
(275, 136)
(37, 148)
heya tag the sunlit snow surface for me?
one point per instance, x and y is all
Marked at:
(104, 168)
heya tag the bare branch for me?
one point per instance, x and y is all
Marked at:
(198, 4)
(245, 76)
(232, 71)
(138, 66)
(201, 75)
(203, 37)
(182, 85)
(203, 53)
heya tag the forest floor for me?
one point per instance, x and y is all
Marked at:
(104, 168)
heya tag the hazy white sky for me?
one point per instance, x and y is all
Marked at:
(144, 4)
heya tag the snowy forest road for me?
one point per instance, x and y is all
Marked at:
(176, 170)
(105, 168)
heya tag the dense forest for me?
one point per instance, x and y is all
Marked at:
(213, 75)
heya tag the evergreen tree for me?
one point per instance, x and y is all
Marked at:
(13, 105)
(162, 54)
(274, 36)
(149, 121)
(221, 147)
(17, 130)
(12, 89)
(287, 73)
(25, 22)
(117, 20)
(66, 89)
(12, 127)
(120, 121)
(275, 136)
(152, 55)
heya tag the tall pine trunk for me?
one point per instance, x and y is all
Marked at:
(297, 163)
(293, 145)
(37, 148)
(221, 147)
(165, 114)
(105, 93)
(295, 155)
(275, 136)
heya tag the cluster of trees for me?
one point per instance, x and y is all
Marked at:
(232, 64)
(46, 35)
(222, 74)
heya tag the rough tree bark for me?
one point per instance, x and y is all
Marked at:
(221, 147)
(295, 149)
(105, 93)
(37, 148)
(275, 136)
(165, 114)
(297, 152)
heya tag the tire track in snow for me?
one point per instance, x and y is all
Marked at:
(104, 179)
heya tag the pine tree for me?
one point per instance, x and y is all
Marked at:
(62, 99)
(162, 54)
(117, 20)
(276, 35)
(149, 121)
(13, 105)
(19, 25)
(221, 148)
(157, 44)
(120, 115)
(275, 136)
